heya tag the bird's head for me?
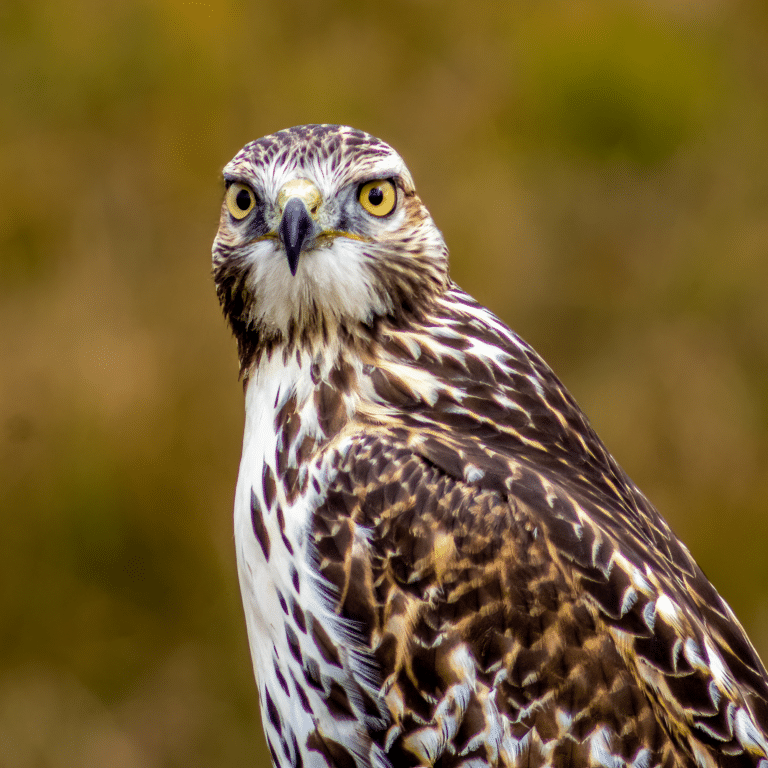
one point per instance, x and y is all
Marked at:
(321, 231)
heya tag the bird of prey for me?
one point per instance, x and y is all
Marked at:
(440, 563)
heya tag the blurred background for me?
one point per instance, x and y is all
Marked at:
(600, 172)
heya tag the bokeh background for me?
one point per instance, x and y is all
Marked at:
(600, 172)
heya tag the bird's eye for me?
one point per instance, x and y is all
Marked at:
(240, 200)
(378, 197)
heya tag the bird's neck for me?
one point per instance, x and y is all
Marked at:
(306, 398)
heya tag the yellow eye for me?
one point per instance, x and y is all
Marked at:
(240, 200)
(378, 197)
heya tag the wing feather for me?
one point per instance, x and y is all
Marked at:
(523, 601)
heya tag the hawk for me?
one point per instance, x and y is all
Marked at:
(440, 562)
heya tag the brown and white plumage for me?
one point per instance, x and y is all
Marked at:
(441, 564)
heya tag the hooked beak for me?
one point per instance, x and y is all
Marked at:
(299, 200)
(295, 227)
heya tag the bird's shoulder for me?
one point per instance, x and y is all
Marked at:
(487, 546)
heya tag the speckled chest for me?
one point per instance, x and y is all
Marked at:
(297, 642)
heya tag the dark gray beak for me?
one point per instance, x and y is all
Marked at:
(295, 228)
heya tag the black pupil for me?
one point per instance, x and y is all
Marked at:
(243, 200)
(376, 196)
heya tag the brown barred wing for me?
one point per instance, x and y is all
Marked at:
(503, 629)
(680, 640)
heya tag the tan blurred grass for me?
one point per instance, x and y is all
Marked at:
(599, 171)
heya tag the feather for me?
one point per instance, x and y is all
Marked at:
(441, 564)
